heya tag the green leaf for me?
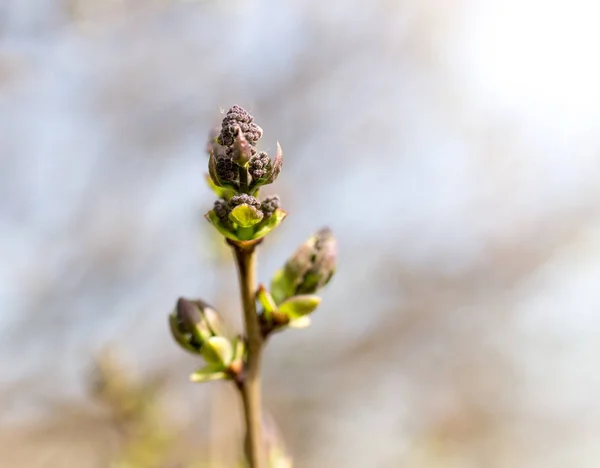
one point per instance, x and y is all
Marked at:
(221, 192)
(266, 300)
(281, 286)
(299, 306)
(208, 373)
(245, 215)
(212, 218)
(269, 224)
(218, 350)
(239, 347)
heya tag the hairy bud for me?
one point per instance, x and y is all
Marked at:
(309, 269)
(323, 263)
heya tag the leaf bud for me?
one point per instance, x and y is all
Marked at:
(193, 323)
(309, 269)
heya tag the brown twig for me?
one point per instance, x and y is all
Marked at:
(249, 385)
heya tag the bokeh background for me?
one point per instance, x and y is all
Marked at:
(454, 148)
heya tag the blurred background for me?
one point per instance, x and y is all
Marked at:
(453, 147)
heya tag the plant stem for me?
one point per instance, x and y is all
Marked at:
(250, 384)
(243, 172)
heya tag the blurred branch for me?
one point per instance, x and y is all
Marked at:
(145, 437)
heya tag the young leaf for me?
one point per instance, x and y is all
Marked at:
(245, 215)
(277, 163)
(221, 192)
(281, 287)
(208, 373)
(213, 219)
(268, 303)
(239, 347)
(271, 223)
(299, 306)
(265, 299)
(218, 350)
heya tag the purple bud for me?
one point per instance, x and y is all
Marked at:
(243, 199)
(235, 120)
(313, 264)
(193, 323)
(260, 166)
(269, 205)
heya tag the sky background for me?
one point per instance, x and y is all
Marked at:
(453, 148)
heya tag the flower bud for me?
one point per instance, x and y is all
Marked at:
(264, 171)
(193, 323)
(260, 166)
(243, 199)
(221, 209)
(227, 171)
(269, 205)
(309, 269)
(323, 263)
(238, 119)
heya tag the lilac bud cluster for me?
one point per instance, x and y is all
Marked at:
(260, 166)
(269, 205)
(238, 119)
